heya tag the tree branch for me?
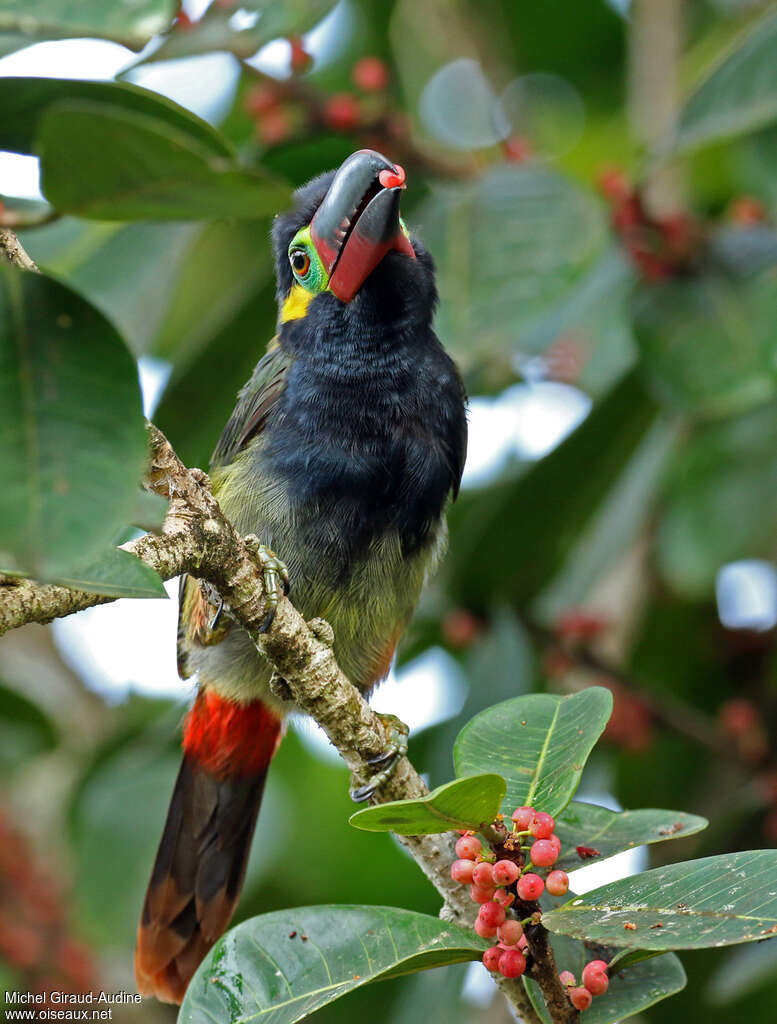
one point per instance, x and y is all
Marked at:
(197, 538)
(12, 250)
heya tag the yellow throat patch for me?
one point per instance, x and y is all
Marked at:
(296, 305)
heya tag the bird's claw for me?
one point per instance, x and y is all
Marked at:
(273, 572)
(396, 748)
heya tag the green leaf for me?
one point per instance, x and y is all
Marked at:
(25, 730)
(721, 500)
(26, 101)
(709, 343)
(715, 901)
(112, 164)
(280, 967)
(463, 803)
(131, 24)
(198, 401)
(116, 573)
(544, 513)
(208, 293)
(610, 832)
(214, 31)
(539, 743)
(149, 511)
(738, 96)
(510, 247)
(71, 459)
(127, 271)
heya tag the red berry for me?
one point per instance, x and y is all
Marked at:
(370, 74)
(461, 871)
(512, 963)
(595, 977)
(491, 914)
(273, 127)
(485, 931)
(555, 841)
(478, 895)
(468, 848)
(503, 897)
(260, 99)
(460, 628)
(747, 210)
(491, 958)
(300, 59)
(543, 853)
(557, 883)
(505, 872)
(738, 716)
(530, 886)
(517, 149)
(567, 979)
(341, 112)
(613, 183)
(523, 817)
(509, 932)
(580, 624)
(483, 875)
(542, 826)
(580, 998)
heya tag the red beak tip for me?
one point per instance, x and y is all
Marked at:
(392, 179)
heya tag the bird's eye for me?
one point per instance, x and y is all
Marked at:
(300, 262)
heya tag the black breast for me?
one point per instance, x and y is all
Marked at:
(369, 437)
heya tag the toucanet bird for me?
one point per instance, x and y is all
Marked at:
(341, 455)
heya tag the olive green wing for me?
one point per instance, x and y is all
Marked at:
(199, 618)
(255, 402)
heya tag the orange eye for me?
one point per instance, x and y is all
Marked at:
(300, 262)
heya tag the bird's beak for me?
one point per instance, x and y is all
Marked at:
(358, 221)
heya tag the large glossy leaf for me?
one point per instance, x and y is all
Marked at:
(739, 95)
(541, 516)
(25, 730)
(709, 343)
(128, 271)
(131, 24)
(609, 832)
(465, 803)
(111, 164)
(715, 901)
(281, 967)
(721, 500)
(539, 744)
(509, 246)
(25, 101)
(198, 401)
(263, 20)
(116, 573)
(72, 443)
(209, 293)
(631, 990)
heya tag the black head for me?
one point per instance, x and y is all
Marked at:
(343, 253)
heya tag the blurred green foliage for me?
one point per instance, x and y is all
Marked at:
(667, 325)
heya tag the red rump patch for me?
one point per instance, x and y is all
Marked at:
(230, 739)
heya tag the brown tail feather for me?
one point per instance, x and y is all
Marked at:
(201, 861)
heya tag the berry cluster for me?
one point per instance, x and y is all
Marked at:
(595, 982)
(659, 246)
(35, 939)
(494, 884)
(283, 109)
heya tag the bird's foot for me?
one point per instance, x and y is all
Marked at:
(396, 748)
(274, 574)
